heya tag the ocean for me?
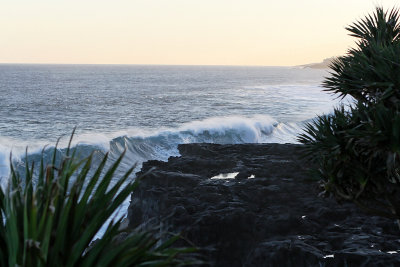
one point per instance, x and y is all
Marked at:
(148, 110)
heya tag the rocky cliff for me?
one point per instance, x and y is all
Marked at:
(256, 205)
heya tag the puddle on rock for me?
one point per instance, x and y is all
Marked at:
(329, 256)
(230, 175)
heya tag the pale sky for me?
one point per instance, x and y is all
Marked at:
(183, 32)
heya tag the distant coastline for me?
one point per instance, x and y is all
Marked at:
(321, 65)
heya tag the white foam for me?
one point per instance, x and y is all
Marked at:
(14, 148)
(250, 128)
(4, 161)
(162, 143)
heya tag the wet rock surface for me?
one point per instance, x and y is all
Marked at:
(269, 214)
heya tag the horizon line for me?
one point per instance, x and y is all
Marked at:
(144, 64)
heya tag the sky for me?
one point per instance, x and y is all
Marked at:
(178, 32)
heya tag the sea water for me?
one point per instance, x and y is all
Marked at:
(149, 110)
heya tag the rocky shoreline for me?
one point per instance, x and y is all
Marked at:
(265, 212)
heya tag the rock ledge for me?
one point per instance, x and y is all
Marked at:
(269, 214)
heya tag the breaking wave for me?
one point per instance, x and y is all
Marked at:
(142, 145)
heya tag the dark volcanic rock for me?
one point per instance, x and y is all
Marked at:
(273, 219)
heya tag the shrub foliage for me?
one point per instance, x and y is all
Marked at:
(357, 148)
(51, 219)
(370, 71)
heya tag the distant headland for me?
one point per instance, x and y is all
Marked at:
(321, 65)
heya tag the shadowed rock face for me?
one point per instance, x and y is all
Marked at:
(273, 219)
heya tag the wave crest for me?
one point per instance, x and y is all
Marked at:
(145, 145)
